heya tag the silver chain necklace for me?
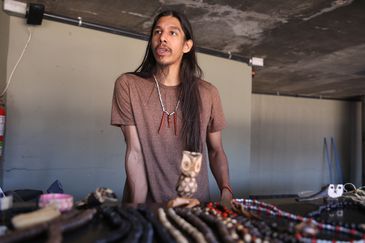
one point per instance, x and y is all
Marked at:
(165, 112)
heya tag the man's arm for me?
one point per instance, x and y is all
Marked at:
(134, 166)
(219, 164)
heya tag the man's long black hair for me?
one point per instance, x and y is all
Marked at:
(190, 73)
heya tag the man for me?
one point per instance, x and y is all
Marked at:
(164, 108)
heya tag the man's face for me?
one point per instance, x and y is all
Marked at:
(168, 41)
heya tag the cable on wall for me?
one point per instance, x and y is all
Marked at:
(17, 63)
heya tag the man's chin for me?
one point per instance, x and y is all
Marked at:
(164, 63)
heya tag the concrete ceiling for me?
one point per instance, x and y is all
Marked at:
(311, 48)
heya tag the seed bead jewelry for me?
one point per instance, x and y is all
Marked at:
(336, 204)
(274, 211)
(239, 228)
(312, 240)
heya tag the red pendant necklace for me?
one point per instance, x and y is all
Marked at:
(168, 115)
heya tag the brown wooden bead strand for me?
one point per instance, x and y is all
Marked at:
(179, 237)
(186, 226)
(198, 223)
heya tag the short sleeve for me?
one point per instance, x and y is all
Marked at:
(122, 112)
(217, 120)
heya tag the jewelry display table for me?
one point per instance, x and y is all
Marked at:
(282, 215)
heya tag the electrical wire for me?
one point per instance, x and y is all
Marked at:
(16, 64)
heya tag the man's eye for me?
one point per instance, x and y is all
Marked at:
(173, 33)
(157, 32)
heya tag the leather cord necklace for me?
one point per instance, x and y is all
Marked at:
(165, 112)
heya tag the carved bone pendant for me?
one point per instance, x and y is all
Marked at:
(190, 168)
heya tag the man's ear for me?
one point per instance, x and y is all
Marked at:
(187, 46)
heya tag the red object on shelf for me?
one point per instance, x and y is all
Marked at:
(2, 128)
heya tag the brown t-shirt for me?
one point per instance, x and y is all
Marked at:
(136, 102)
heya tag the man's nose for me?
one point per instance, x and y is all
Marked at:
(163, 38)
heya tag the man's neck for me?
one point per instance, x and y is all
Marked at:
(168, 75)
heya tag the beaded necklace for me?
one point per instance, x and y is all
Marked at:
(249, 204)
(178, 236)
(186, 226)
(246, 226)
(198, 223)
(165, 112)
(218, 209)
(221, 227)
(336, 204)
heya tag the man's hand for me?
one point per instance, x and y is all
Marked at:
(226, 195)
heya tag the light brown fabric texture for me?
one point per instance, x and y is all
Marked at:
(135, 102)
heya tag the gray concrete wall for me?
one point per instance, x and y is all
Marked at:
(4, 44)
(59, 108)
(287, 153)
(233, 79)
